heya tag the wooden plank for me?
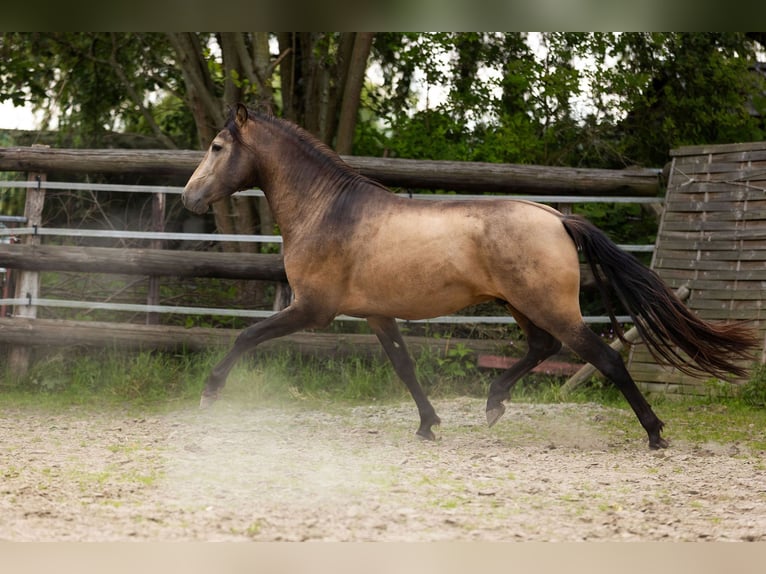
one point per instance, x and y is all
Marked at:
(700, 150)
(459, 176)
(743, 214)
(704, 284)
(143, 262)
(705, 201)
(729, 255)
(753, 155)
(754, 293)
(663, 263)
(130, 336)
(724, 275)
(684, 187)
(733, 213)
(736, 170)
(666, 388)
(693, 241)
(651, 372)
(731, 314)
(548, 367)
(717, 227)
(752, 177)
(731, 304)
(701, 304)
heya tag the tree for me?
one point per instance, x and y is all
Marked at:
(95, 81)
(597, 100)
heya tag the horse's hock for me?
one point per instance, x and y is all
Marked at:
(712, 238)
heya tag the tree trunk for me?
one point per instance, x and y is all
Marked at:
(205, 107)
(207, 111)
(233, 70)
(289, 46)
(352, 91)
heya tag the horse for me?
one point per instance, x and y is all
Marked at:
(352, 247)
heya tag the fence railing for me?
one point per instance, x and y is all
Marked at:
(39, 231)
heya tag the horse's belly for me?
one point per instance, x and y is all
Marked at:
(413, 294)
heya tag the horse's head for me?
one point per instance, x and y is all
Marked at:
(226, 167)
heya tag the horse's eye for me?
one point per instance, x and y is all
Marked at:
(216, 147)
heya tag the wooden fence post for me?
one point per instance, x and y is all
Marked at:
(158, 224)
(28, 282)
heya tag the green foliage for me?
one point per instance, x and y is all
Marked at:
(88, 82)
(11, 200)
(171, 115)
(753, 392)
(628, 223)
(457, 362)
(478, 96)
(641, 95)
(683, 89)
(111, 377)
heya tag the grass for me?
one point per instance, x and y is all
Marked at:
(158, 380)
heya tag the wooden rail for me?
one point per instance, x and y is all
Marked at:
(475, 177)
(130, 336)
(160, 262)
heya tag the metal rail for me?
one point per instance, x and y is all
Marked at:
(254, 314)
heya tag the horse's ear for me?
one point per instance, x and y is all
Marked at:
(242, 115)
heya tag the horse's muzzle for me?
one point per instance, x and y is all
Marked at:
(197, 206)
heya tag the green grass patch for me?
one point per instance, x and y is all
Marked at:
(106, 378)
(162, 380)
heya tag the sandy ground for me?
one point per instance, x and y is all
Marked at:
(543, 473)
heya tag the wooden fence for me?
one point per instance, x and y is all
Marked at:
(32, 256)
(712, 240)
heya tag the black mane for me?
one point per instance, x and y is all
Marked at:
(341, 172)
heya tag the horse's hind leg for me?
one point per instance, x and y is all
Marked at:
(389, 336)
(595, 351)
(540, 346)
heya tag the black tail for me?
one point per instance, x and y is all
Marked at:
(663, 321)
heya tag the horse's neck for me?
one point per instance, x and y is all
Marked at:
(296, 185)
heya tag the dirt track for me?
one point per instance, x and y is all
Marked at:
(544, 472)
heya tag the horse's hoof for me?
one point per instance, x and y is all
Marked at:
(426, 434)
(207, 401)
(658, 444)
(494, 414)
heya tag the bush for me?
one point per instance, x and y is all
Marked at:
(753, 393)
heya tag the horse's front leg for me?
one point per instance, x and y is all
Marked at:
(292, 319)
(389, 336)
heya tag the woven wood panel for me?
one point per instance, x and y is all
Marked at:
(712, 238)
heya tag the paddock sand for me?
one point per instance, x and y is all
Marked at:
(563, 472)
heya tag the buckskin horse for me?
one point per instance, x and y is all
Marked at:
(351, 247)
